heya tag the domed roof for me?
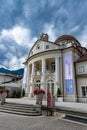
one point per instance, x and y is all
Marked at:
(66, 37)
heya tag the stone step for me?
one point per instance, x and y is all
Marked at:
(18, 104)
(20, 113)
(76, 118)
(18, 110)
(21, 109)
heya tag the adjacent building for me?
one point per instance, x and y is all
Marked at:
(60, 64)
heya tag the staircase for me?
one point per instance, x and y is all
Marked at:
(21, 109)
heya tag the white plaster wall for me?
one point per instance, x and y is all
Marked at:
(43, 47)
(84, 63)
(4, 78)
(81, 82)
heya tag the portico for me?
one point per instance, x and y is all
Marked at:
(43, 72)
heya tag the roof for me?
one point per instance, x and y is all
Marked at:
(83, 58)
(7, 74)
(13, 84)
(66, 37)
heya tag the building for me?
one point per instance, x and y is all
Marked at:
(13, 86)
(53, 65)
(81, 78)
(11, 82)
(5, 77)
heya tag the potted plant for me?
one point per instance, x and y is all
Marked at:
(3, 94)
(39, 95)
(60, 99)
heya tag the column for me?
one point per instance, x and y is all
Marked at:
(27, 85)
(33, 69)
(32, 77)
(57, 72)
(43, 74)
(28, 74)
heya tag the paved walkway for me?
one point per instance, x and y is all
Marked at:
(18, 122)
(69, 105)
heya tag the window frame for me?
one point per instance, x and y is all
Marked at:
(81, 69)
(38, 47)
(84, 92)
(47, 47)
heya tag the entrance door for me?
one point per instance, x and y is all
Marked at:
(50, 87)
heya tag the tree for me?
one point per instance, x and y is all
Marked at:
(58, 92)
(23, 92)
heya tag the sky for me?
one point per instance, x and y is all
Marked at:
(23, 21)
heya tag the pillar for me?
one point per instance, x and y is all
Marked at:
(32, 77)
(43, 74)
(57, 82)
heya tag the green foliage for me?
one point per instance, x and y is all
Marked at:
(14, 94)
(58, 92)
(23, 92)
(18, 94)
(2, 87)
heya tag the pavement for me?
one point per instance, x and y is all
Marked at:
(81, 107)
(19, 122)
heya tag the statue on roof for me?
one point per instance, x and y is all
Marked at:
(44, 37)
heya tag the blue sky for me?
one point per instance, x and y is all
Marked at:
(22, 22)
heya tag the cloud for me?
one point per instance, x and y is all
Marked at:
(83, 37)
(22, 22)
(15, 45)
(49, 29)
(19, 34)
(14, 63)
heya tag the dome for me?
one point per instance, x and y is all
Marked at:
(66, 37)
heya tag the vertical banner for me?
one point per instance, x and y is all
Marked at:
(24, 79)
(68, 74)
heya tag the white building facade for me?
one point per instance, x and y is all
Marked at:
(52, 65)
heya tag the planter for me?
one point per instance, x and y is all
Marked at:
(39, 98)
(0, 96)
(3, 96)
(60, 99)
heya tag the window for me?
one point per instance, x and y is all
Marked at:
(64, 43)
(53, 67)
(37, 47)
(81, 69)
(84, 91)
(47, 46)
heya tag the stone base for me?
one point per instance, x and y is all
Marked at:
(54, 113)
(82, 100)
(60, 99)
(70, 98)
(38, 108)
